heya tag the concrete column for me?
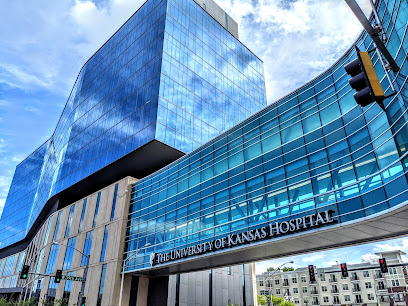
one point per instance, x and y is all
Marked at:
(142, 291)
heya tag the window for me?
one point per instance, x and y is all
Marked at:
(261, 283)
(114, 202)
(71, 214)
(368, 285)
(276, 281)
(20, 261)
(67, 288)
(295, 290)
(101, 285)
(96, 209)
(315, 301)
(325, 299)
(8, 266)
(105, 240)
(345, 287)
(336, 299)
(226, 20)
(297, 301)
(366, 274)
(87, 247)
(82, 216)
(52, 258)
(370, 296)
(392, 270)
(40, 260)
(47, 232)
(69, 253)
(305, 300)
(324, 288)
(204, 6)
(304, 289)
(395, 282)
(229, 272)
(347, 298)
(323, 277)
(303, 279)
(278, 291)
(54, 238)
(294, 280)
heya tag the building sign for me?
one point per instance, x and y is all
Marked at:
(265, 232)
(72, 278)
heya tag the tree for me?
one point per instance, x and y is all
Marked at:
(270, 269)
(279, 301)
(262, 300)
(288, 269)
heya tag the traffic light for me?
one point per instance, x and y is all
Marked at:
(83, 301)
(58, 276)
(344, 271)
(383, 265)
(364, 80)
(311, 274)
(24, 272)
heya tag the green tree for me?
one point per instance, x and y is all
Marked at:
(262, 300)
(288, 269)
(280, 301)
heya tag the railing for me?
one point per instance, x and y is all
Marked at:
(354, 278)
(333, 280)
(379, 275)
(315, 303)
(383, 287)
(359, 301)
(356, 289)
(314, 291)
(286, 284)
(335, 291)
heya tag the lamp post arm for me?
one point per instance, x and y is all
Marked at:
(73, 249)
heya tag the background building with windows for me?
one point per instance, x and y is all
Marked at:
(365, 286)
(174, 79)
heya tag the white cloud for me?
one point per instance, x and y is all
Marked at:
(297, 40)
(370, 258)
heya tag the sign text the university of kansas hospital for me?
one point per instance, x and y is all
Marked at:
(272, 230)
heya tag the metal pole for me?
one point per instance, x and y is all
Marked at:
(86, 267)
(370, 31)
(125, 261)
(269, 278)
(81, 293)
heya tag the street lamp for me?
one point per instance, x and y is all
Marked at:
(125, 261)
(86, 267)
(270, 277)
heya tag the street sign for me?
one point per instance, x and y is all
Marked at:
(72, 278)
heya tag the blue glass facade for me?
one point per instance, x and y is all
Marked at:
(314, 150)
(170, 73)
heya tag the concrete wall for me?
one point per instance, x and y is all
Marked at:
(114, 247)
(220, 16)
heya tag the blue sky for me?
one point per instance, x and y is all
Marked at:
(43, 45)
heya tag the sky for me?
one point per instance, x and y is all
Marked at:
(43, 45)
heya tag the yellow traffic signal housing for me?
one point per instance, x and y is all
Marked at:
(364, 80)
(372, 75)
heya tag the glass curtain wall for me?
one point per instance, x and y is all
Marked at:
(313, 150)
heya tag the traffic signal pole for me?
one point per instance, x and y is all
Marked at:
(373, 34)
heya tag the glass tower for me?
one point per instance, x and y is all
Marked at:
(312, 151)
(171, 75)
